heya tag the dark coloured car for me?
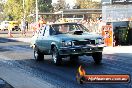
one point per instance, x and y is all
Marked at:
(66, 40)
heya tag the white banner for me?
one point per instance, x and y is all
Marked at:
(111, 13)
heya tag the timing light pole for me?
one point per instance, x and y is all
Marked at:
(24, 9)
(36, 10)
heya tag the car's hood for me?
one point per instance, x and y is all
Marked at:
(83, 36)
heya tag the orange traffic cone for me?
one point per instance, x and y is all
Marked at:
(9, 34)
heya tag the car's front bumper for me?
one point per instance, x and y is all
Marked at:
(80, 50)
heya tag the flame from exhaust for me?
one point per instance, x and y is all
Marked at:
(81, 71)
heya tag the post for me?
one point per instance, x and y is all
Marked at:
(24, 9)
(62, 14)
(36, 10)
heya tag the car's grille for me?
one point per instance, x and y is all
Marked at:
(81, 42)
(85, 42)
(92, 41)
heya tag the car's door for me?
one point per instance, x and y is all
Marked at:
(45, 46)
(48, 38)
(38, 36)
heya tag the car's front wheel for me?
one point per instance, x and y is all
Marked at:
(56, 57)
(97, 56)
(19, 29)
(38, 56)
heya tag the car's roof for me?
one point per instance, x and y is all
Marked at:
(60, 23)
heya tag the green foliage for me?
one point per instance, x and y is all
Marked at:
(44, 5)
(29, 9)
(84, 4)
(13, 9)
(61, 4)
(1, 11)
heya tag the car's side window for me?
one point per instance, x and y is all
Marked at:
(56, 28)
(52, 31)
(41, 31)
(46, 31)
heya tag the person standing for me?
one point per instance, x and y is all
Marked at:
(26, 23)
(10, 26)
(23, 27)
(41, 22)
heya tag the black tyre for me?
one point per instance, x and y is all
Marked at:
(19, 29)
(56, 57)
(13, 29)
(97, 57)
(38, 56)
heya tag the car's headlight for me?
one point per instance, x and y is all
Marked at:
(100, 41)
(66, 43)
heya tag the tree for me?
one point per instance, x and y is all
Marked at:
(76, 6)
(61, 4)
(30, 8)
(84, 4)
(1, 11)
(88, 4)
(44, 5)
(13, 9)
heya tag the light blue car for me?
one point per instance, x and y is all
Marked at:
(67, 40)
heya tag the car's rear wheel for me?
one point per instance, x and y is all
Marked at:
(38, 56)
(97, 56)
(56, 57)
(13, 29)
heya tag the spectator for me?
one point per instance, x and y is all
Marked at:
(41, 22)
(100, 24)
(34, 27)
(26, 25)
(10, 29)
(23, 27)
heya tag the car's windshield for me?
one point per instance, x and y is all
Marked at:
(68, 28)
